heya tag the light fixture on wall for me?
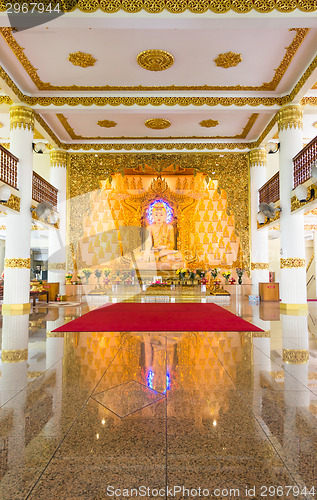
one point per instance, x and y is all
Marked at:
(301, 193)
(5, 193)
(272, 147)
(39, 147)
(268, 210)
(261, 218)
(45, 213)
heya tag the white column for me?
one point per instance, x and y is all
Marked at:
(259, 238)
(18, 231)
(293, 271)
(57, 237)
(315, 262)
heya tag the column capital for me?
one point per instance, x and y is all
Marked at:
(290, 116)
(58, 158)
(257, 157)
(21, 117)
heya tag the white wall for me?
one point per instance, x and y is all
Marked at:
(41, 164)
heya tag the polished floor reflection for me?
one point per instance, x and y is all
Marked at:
(173, 415)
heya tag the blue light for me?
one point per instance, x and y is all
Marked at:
(168, 209)
(149, 379)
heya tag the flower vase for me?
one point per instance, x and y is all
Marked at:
(239, 280)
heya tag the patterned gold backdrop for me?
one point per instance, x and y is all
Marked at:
(211, 204)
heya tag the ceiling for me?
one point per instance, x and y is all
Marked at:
(274, 57)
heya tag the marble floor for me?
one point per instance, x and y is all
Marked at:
(127, 415)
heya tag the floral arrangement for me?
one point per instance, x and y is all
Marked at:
(192, 274)
(69, 276)
(181, 273)
(226, 275)
(203, 281)
(214, 272)
(106, 272)
(87, 273)
(232, 281)
(240, 273)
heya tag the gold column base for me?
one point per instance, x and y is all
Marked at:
(13, 309)
(296, 309)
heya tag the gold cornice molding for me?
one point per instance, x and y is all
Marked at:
(5, 99)
(295, 356)
(258, 157)
(187, 146)
(255, 266)
(290, 116)
(292, 263)
(300, 34)
(21, 117)
(180, 6)
(72, 134)
(58, 158)
(14, 355)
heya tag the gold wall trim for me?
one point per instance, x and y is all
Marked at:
(311, 196)
(58, 158)
(252, 335)
(179, 6)
(300, 34)
(259, 266)
(57, 266)
(258, 157)
(13, 356)
(21, 117)
(290, 116)
(13, 203)
(4, 99)
(72, 134)
(17, 263)
(55, 334)
(292, 263)
(295, 356)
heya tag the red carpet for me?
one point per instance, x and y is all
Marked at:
(157, 317)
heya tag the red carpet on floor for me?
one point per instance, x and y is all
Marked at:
(157, 317)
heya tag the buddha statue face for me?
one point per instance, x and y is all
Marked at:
(159, 213)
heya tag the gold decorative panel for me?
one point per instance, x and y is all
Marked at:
(295, 356)
(292, 263)
(18, 263)
(228, 60)
(155, 60)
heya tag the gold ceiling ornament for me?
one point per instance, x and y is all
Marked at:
(255, 266)
(56, 266)
(209, 123)
(258, 157)
(295, 356)
(106, 123)
(179, 6)
(155, 60)
(13, 203)
(82, 59)
(157, 123)
(14, 355)
(272, 85)
(290, 116)
(228, 60)
(21, 117)
(17, 263)
(291, 263)
(58, 158)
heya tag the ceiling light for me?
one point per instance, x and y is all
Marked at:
(39, 147)
(272, 147)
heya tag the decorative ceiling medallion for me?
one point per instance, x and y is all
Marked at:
(157, 123)
(155, 60)
(209, 123)
(81, 59)
(228, 60)
(106, 123)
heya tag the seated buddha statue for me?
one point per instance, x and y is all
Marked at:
(162, 240)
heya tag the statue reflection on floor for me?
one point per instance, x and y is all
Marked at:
(161, 241)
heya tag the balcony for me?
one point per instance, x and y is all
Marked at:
(43, 191)
(304, 161)
(270, 191)
(8, 168)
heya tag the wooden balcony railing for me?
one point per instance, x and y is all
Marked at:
(270, 191)
(304, 161)
(43, 191)
(8, 168)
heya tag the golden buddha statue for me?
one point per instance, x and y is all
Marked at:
(162, 240)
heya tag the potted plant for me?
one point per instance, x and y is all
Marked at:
(98, 274)
(87, 273)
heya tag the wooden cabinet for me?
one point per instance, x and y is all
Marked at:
(53, 290)
(269, 292)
